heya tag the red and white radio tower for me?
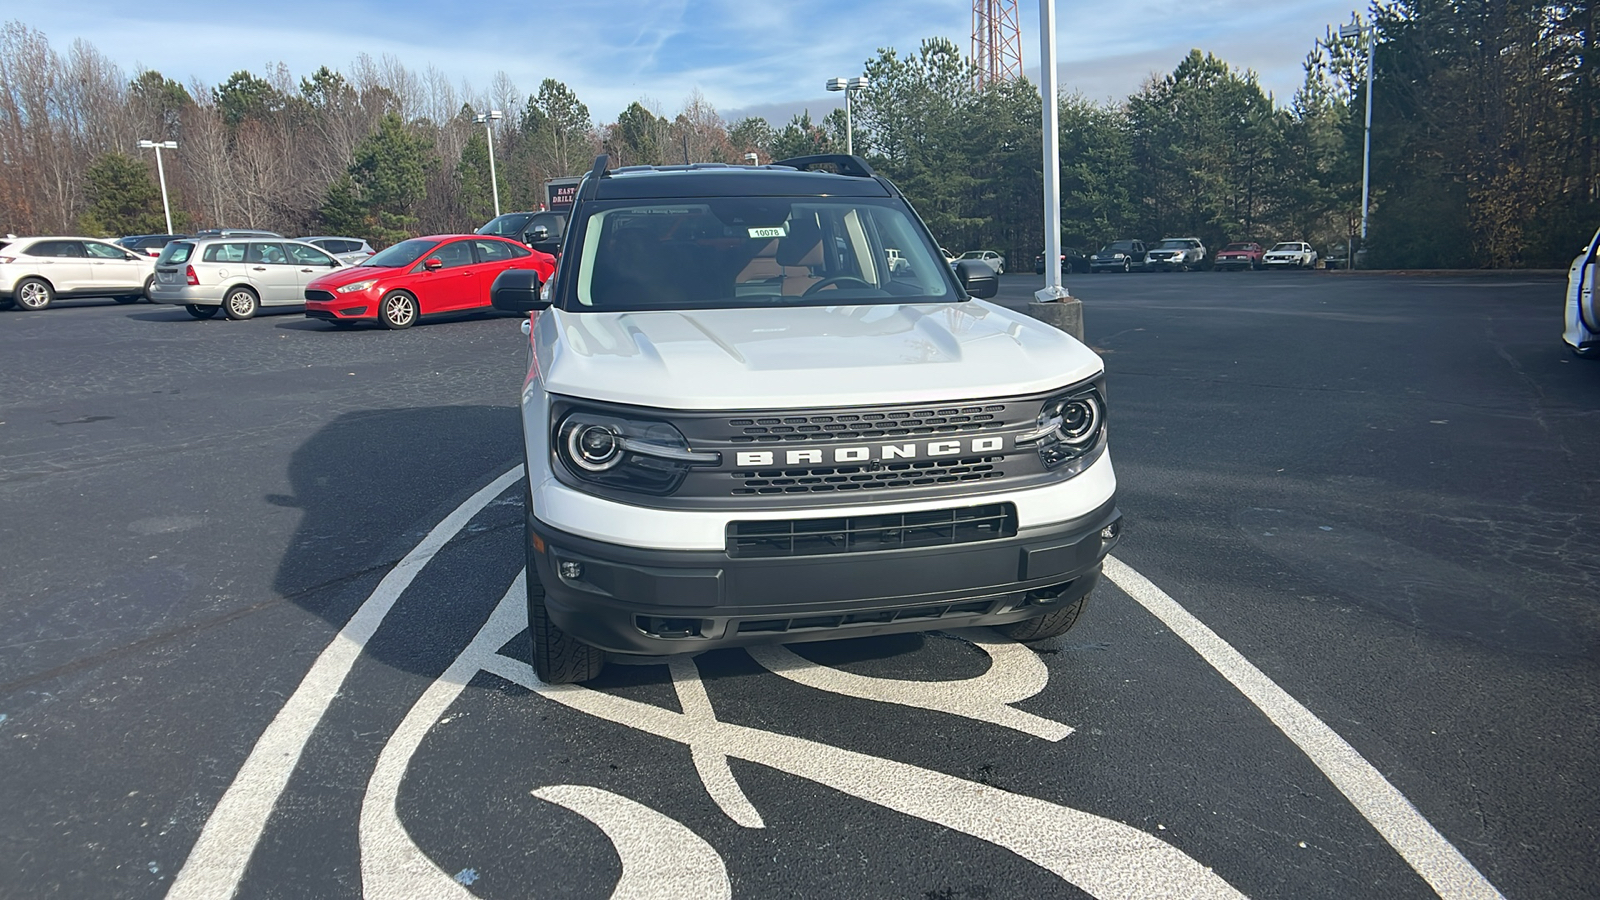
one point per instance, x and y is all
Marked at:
(996, 41)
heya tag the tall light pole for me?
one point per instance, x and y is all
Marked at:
(493, 115)
(161, 173)
(849, 86)
(1347, 32)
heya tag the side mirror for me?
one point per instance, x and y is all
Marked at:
(517, 291)
(431, 263)
(539, 234)
(978, 277)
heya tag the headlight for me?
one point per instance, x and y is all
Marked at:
(354, 286)
(627, 453)
(1118, 256)
(1071, 431)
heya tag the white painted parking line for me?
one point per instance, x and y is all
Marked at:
(218, 859)
(661, 859)
(1407, 830)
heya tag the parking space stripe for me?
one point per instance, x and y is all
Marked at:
(219, 857)
(1421, 845)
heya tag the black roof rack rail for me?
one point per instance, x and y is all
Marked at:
(591, 182)
(845, 163)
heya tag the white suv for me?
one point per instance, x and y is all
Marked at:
(36, 271)
(743, 424)
(1182, 254)
(237, 275)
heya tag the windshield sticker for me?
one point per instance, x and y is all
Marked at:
(774, 232)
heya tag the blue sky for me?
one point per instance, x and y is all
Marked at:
(767, 58)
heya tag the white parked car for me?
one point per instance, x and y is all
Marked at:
(817, 449)
(995, 260)
(35, 271)
(1295, 254)
(1582, 334)
(1180, 254)
(348, 250)
(237, 275)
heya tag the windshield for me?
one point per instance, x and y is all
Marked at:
(402, 254)
(1236, 247)
(508, 225)
(1175, 245)
(1118, 247)
(972, 254)
(741, 251)
(1278, 247)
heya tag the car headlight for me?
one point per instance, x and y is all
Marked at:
(1118, 256)
(354, 286)
(626, 453)
(1070, 432)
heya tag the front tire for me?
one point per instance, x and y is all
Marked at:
(241, 303)
(1049, 625)
(201, 312)
(398, 310)
(1126, 267)
(34, 294)
(558, 657)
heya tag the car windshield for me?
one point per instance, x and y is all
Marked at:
(1236, 247)
(1288, 247)
(972, 254)
(402, 254)
(1118, 247)
(1175, 245)
(746, 252)
(508, 225)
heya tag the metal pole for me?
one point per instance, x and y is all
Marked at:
(849, 130)
(1052, 152)
(1366, 150)
(494, 182)
(161, 172)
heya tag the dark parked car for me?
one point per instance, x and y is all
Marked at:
(1239, 255)
(1119, 256)
(1072, 260)
(148, 244)
(540, 230)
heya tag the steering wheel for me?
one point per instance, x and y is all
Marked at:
(836, 280)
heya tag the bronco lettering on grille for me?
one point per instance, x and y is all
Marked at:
(860, 454)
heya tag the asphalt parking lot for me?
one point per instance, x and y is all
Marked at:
(262, 635)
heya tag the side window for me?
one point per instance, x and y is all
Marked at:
(457, 253)
(308, 256)
(492, 251)
(518, 251)
(46, 248)
(104, 251)
(265, 253)
(230, 252)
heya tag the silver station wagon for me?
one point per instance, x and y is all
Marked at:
(237, 276)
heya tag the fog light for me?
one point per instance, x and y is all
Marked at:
(1110, 532)
(571, 571)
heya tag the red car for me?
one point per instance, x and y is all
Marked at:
(425, 276)
(1242, 255)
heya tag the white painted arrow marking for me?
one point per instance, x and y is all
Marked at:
(661, 859)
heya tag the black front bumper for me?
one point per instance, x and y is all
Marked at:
(658, 602)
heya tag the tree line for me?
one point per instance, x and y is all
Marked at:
(1484, 149)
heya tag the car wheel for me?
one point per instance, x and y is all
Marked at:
(398, 310)
(1127, 267)
(558, 657)
(202, 312)
(145, 293)
(1590, 352)
(34, 293)
(241, 303)
(1049, 625)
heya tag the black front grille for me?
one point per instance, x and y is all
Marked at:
(868, 425)
(865, 534)
(836, 479)
(319, 295)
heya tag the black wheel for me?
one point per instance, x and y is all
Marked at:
(145, 293)
(202, 312)
(241, 303)
(398, 310)
(34, 293)
(558, 658)
(1049, 625)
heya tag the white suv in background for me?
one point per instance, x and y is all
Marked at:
(1182, 253)
(1298, 254)
(237, 275)
(36, 271)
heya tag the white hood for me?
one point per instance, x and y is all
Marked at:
(796, 357)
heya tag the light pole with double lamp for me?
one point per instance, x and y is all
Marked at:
(493, 115)
(1347, 32)
(161, 173)
(849, 86)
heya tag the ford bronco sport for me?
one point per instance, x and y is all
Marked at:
(743, 425)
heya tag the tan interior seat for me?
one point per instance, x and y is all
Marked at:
(800, 255)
